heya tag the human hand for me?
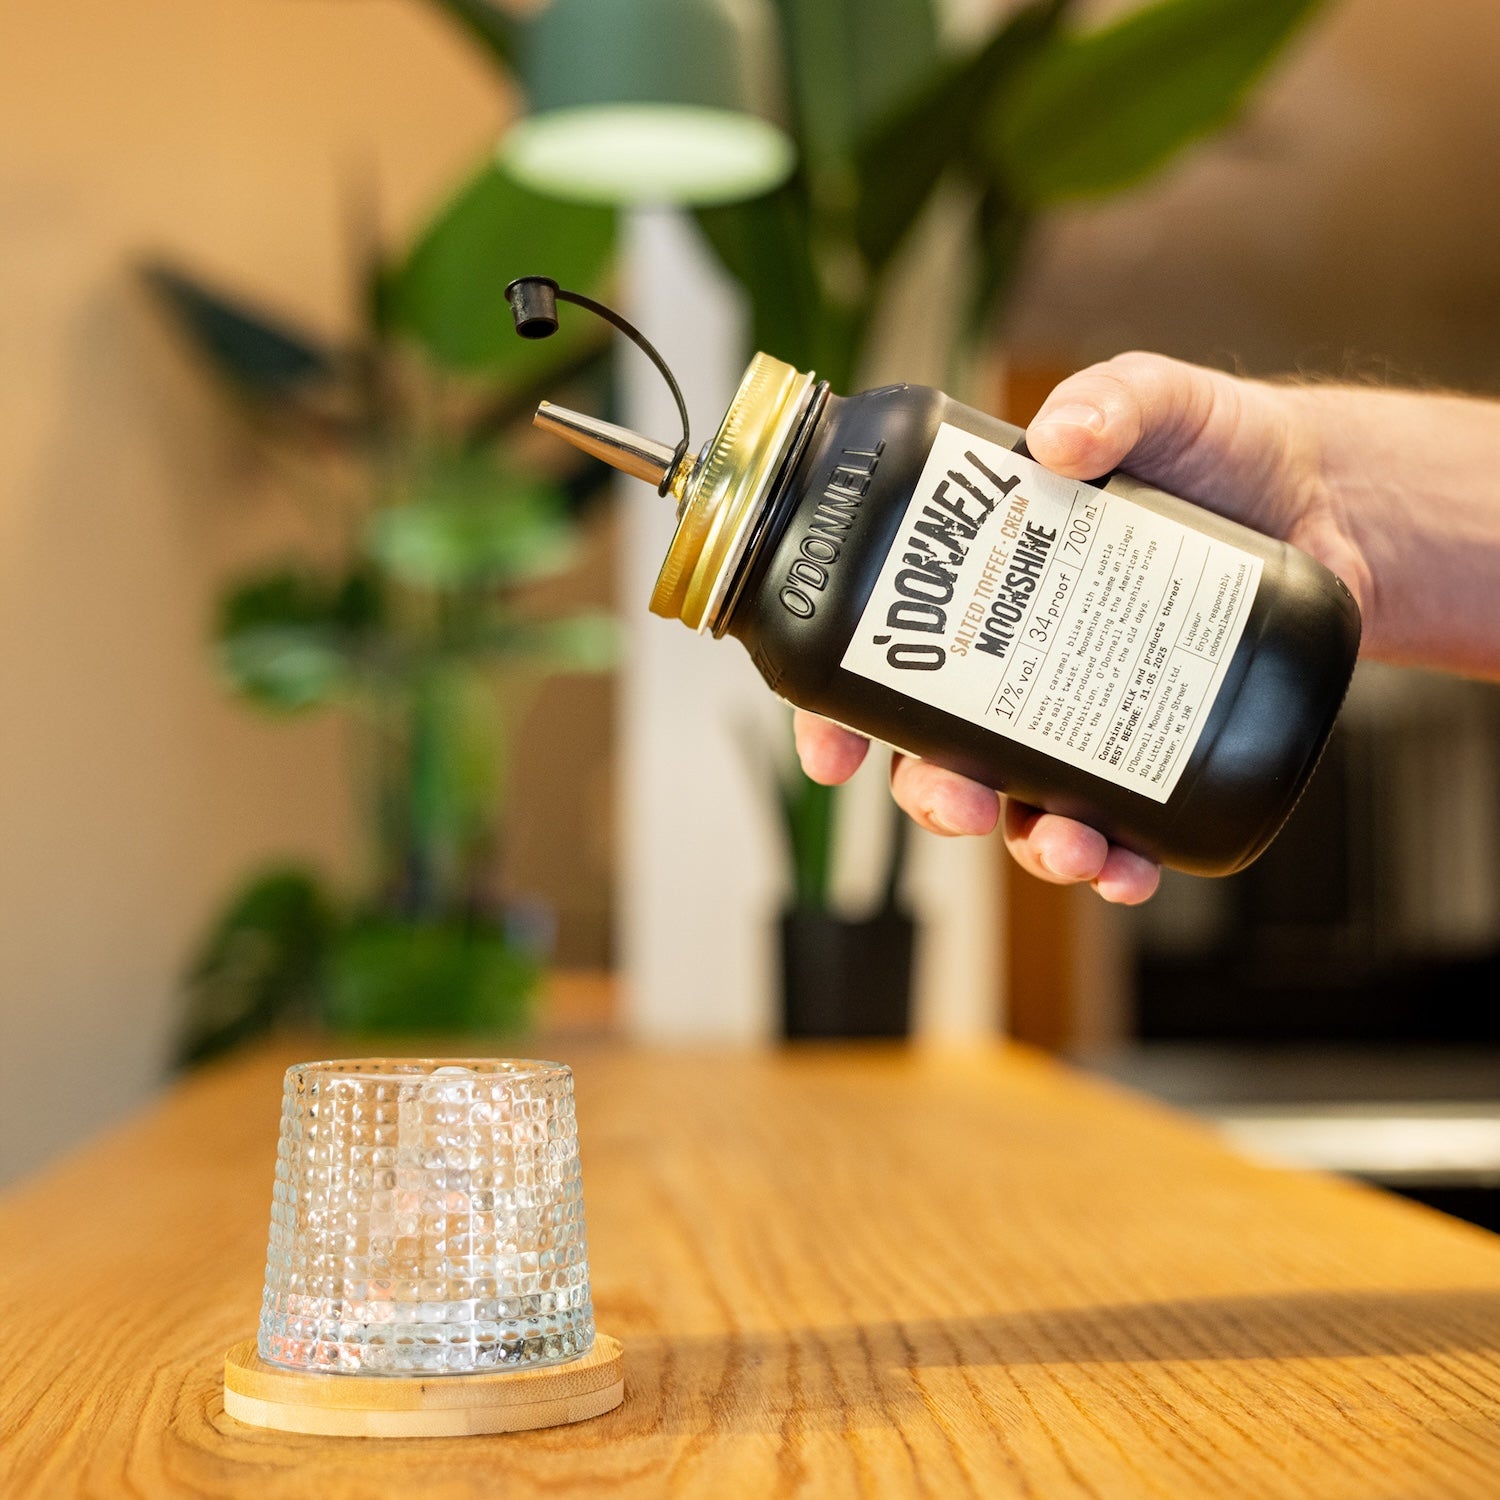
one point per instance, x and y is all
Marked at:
(1247, 449)
(1055, 849)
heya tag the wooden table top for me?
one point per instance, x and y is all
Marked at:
(836, 1273)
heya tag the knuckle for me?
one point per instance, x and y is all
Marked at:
(1138, 380)
(1138, 364)
(1173, 401)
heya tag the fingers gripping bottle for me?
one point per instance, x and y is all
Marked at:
(896, 561)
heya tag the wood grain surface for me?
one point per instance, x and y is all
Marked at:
(835, 1273)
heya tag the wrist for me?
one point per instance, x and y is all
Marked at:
(1402, 500)
(1319, 490)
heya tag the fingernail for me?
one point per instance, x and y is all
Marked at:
(1062, 869)
(1072, 414)
(941, 824)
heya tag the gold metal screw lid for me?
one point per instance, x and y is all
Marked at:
(725, 491)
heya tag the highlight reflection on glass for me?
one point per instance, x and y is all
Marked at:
(427, 1218)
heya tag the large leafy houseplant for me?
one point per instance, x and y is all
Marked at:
(888, 123)
(415, 621)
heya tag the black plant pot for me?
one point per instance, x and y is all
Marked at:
(841, 978)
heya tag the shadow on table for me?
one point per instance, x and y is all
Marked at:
(851, 1376)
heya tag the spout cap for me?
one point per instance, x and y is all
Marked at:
(533, 304)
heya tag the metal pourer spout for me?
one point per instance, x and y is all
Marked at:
(533, 304)
(662, 467)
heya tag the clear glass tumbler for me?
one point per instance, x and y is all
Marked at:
(427, 1219)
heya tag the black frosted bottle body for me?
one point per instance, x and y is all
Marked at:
(1108, 652)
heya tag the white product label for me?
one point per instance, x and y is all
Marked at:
(1072, 620)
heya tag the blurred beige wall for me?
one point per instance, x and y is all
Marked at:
(132, 794)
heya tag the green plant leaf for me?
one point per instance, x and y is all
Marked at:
(446, 978)
(808, 811)
(289, 639)
(286, 669)
(455, 756)
(449, 293)
(896, 850)
(260, 964)
(765, 245)
(498, 33)
(257, 353)
(911, 149)
(1001, 232)
(804, 810)
(585, 642)
(1097, 111)
(849, 61)
(471, 525)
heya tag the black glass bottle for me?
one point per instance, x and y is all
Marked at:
(895, 561)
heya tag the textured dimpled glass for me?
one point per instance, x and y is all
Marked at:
(427, 1219)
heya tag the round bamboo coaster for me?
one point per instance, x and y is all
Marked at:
(423, 1406)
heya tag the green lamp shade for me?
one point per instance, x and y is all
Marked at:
(651, 101)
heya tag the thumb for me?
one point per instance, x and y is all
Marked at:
(1175, 423)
